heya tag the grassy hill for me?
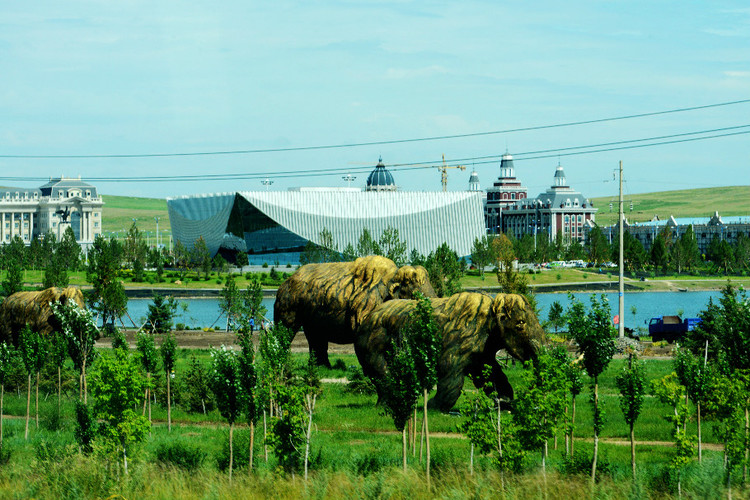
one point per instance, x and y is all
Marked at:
(119, 212)
(730, 200)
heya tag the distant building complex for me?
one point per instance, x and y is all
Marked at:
(704, 228)
(276, 225)
(51, 208)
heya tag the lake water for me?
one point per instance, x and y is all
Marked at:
(205, 312)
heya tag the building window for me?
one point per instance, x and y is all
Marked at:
(512, 196)
(96, 224)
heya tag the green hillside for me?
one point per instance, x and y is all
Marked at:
(730, 200)
(119, 212)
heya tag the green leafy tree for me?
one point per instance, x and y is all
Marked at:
(182, 259)
(226, 384)
(632, 385)
(252, 307)
(116, 387)
(597, 247)
(161, 312)
(69, 250)
(119, 340)
(426, 342)
(33, 348)
(242, 260)
(481, 253)
(249, 383)
(392, 246)
(135, 252)
(695, 375)
(349, 254)
(444, 270)
(146, 346)
(201, 257)
(197, 396)
(573, 373)
(109, 299)
(726, 401)
(669, 391)
(288, 433)
(58, 354)
(56, 271)
(539, 408)
(595, 336)
(742, 252)
(508, 278)
(6, 360)
(13, 281)
(556, 316)
(659, 254)
(478, 425)
(168, 351)
(400, 386)
(311, 387)
(366, 245)
(80, 329)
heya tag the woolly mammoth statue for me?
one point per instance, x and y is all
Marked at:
(474, 327)
(329, 301)
(33, 308)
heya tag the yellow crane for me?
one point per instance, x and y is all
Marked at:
(444, 172)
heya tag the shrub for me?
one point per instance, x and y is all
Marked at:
(179, 454)
(180, 326)
(581, 465)
(358, 383)
(265, 265)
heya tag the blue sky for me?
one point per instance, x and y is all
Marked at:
(133, 77)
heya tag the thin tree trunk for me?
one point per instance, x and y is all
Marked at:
(471, 460)
(632, 448)
(169, 414)
(85, 383)
(252, 445)
(59, 388)
(265, 435)
(310, 406)
(403, 432)
(414, 436)
(567, 434)
(36, 403)
(596, 434)
(149, 398)
(231, 451)
(125, 459)
(700, 439)
(28, 406)
(421, 441)
(572, 424)
(427, 438)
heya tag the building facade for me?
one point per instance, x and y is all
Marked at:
(503, 193)
(51, 208)
(276, 225)
(560, 209)
(705, 229)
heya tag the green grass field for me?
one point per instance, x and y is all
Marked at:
(729, 200)
(119, 211)
(356, 453)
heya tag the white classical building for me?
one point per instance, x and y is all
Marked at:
(51, 208)
(282, 222)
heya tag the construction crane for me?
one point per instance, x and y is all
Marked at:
(444, 172)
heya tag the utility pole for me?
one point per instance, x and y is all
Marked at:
(157, 232)
(621, 323)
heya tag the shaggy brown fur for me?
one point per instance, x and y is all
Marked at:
(33, 308)
(329, 301)
(474, 327)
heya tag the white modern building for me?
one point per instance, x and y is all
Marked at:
(282, 222)
(51, 208)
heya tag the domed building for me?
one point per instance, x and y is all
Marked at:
(505, 191)
(560, 209)
(380, 179)
(276, 225)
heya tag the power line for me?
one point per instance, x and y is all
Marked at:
(377, 143)
(541, 154)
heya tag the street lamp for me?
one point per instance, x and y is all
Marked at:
(157, 232)
(266, 182)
